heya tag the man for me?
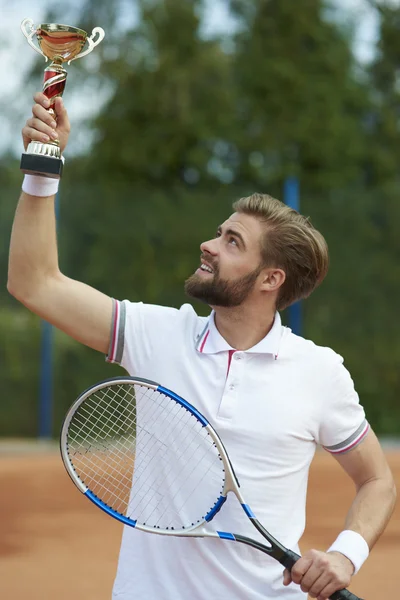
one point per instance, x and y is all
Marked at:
(271, 395)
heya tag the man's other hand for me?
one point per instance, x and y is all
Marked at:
(320, 573)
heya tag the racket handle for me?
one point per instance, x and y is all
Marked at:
(344, 595)
(290, 558)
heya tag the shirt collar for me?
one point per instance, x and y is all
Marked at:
(210, 341)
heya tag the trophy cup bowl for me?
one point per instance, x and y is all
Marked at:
(59, 44)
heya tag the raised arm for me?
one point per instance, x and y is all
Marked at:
(34, 277)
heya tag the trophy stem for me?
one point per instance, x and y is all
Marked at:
(55, 77)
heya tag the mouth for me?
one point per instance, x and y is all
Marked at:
(205, 268)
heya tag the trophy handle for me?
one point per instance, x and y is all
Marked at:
(91, 44)
(28, 23)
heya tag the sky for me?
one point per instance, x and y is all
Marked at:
(16, 56)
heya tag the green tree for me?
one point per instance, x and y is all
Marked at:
(383, 119)
(301, 105)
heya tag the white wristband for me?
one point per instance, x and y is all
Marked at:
(353, 546)
(35, 185)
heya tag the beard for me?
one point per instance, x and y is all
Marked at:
(216, 291)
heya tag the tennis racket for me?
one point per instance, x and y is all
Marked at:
(148, 458)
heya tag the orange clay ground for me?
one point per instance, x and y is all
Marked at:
(54, 545)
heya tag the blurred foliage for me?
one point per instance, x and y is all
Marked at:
(191, 124)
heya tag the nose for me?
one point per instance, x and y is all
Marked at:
(209, 247)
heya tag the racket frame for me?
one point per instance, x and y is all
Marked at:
(231, 483)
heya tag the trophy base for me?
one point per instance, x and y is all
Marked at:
(39, 164)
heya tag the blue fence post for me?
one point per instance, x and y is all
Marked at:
(291, 195)
(45, 428)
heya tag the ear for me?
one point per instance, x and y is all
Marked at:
(272, 279)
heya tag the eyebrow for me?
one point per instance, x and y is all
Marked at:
(234, 233)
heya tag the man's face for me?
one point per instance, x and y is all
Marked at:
(230, 263)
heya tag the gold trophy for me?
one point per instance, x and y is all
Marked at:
(60, 44)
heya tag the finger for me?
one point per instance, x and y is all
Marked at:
(310, 577)
(62, 115)
(327, 591)
(42, 127)
(44, 115)
(287, 578)
(319, 585)
(41, 99)
(32, 134)
(299, 568)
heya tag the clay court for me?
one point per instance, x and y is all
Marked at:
(54, 545)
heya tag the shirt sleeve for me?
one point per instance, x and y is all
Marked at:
(343, 423)
(141, 333)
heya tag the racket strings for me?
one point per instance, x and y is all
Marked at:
(144, 488)
(176, 478)
(146, 456)
(157, 495)
(87, 431)
(98, 413)
(169, 473)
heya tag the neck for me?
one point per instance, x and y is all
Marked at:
(243, 327)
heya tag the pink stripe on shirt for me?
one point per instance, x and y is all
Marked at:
(353, 443)
(230, 354)
(204, 340)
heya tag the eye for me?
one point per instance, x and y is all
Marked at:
(218, 234)
(233, 241)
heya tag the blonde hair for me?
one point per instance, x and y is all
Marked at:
(290, 243)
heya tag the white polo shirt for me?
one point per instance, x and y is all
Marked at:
(271, 406)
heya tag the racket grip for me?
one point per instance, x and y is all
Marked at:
(290, 558)
(344, 595)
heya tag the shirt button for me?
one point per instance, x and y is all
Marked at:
(238, 356)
